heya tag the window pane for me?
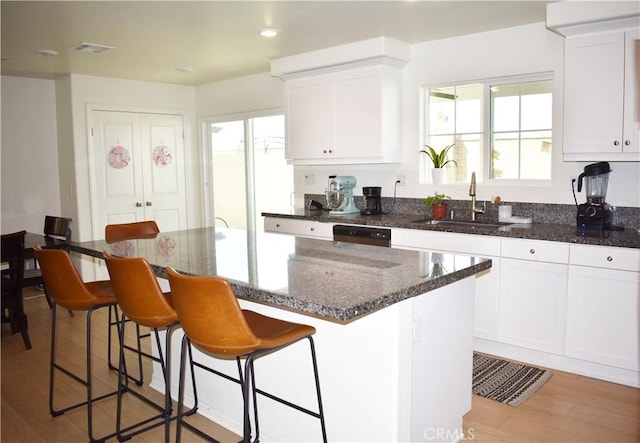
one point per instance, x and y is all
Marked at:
(505, 107)
(536, 105)
(469, 109)
(228, 158)
(505, 155)
(535, 150)
(273, 177)
(442, 116)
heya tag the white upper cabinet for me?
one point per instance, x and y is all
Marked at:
(343, 105)
(601, 116)
(601, 105)
(344, 117)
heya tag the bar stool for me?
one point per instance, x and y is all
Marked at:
(142, 301)
(114, 233)
(66, 288)
(213, 321)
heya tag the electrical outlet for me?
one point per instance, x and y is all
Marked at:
(401, 180)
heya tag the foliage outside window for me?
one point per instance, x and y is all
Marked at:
(501, 126)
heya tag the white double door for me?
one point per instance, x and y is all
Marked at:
(139, 169)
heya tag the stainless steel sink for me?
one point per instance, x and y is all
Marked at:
(463, 223)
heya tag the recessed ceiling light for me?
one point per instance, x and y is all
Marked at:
(46, 52)
(269, 32)
(184, 69)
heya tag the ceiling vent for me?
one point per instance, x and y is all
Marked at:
(91, 47)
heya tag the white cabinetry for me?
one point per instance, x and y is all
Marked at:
(487, 283)
(344, 117)
(303, 228)
(601, 115)
(604, 287)
(533, 285)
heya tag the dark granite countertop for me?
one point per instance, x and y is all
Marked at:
(629, 238)
(332, 280)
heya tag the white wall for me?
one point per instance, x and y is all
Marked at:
(240, 95)
(29, 154)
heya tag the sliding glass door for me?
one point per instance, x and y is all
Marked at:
(248, 172)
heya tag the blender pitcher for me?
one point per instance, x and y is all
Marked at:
(596, 177)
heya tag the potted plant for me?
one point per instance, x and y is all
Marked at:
(439, 161)
(438, 204)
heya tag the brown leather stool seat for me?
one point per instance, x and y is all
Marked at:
(142, 301)
(66, 288)
(213, 321)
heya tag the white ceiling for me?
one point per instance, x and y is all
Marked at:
(219, 39)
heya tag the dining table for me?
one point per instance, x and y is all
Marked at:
(394, 329)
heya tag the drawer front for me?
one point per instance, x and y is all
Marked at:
(627, 259)
(305, 228)
(480, 245)
(536, 250)
(280, 225)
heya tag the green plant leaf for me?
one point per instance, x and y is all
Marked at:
(435, 199)
(439, 159)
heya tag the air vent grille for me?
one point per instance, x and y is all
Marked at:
(91, 47)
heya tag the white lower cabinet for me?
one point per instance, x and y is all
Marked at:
(486, 305)
(602, 325)
(533, 294)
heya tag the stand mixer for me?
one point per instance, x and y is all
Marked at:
(339, 195)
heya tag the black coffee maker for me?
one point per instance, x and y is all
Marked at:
(372, 197)
(595, 214)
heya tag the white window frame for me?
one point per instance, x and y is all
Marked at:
(483, 172)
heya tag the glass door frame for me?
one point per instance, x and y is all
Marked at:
(207, 164)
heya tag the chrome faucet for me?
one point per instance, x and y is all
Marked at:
(472, 193)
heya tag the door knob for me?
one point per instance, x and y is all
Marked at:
(148, 204)
(138, 205)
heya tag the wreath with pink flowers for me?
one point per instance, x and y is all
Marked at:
(162, 155)
(119, 157)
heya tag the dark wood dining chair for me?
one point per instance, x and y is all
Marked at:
(12, 252)
(57, 231)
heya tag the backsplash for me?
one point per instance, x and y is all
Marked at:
(629, 217)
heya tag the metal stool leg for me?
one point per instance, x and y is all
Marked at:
(87, 381)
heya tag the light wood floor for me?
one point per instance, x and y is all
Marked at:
(568, 408)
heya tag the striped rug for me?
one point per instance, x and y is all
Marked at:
(504, 381)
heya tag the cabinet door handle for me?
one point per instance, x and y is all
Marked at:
(277, 225)
(616, 143)
(627, 142)
(148, 204)
(532, 251)
(138, 204)
(609, 258)
(313, 229)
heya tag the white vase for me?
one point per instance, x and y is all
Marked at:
(437, 175)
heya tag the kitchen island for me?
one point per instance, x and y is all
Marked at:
(394, 331)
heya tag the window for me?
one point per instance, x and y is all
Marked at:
(501, 126)
(248, 171)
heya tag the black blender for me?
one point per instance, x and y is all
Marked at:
(595, 214)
